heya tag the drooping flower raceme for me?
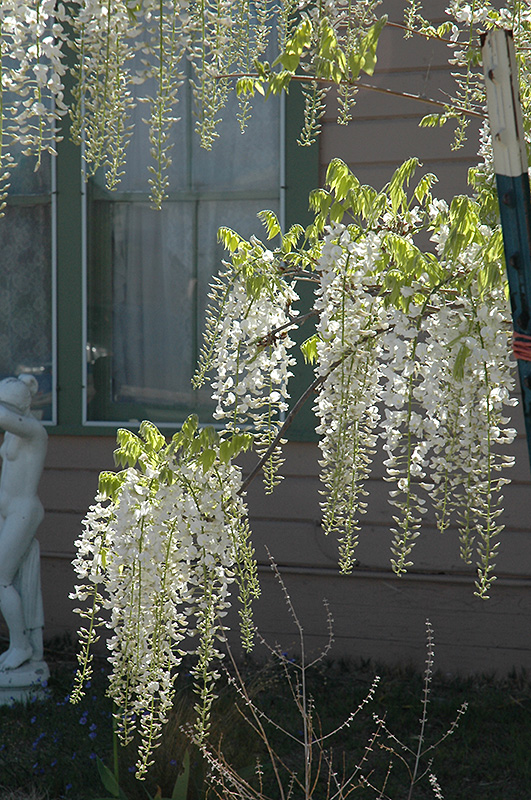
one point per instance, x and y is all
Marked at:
(162, 42)
(248, 348)
(104, 32)
(473, 381)
(31, 79)
(158, 554)
(351, 316)
(414, 346)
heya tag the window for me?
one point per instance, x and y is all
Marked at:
(27, 269)
(149, 271)
(103, 297)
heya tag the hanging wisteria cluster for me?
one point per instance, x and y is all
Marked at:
(106, 47)
(103, 49)
(410, 343)
(251, 364)
(159, 551)
(411, 347)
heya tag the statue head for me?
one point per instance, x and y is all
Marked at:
(18, 392)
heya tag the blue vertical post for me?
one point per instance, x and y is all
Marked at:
(511, 167)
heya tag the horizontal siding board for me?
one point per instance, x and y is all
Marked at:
(432, 10)
(428, 83)
(301, 458)
(294, 498)
(385, 619)
(68, 489)
(395, 53)
(305, 544)
(58, 580)
(59, 530)
(81, 452)
(298, 498)
(392, 140)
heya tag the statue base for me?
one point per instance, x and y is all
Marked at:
(24, 683)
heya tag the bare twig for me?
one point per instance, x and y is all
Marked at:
(371, 87)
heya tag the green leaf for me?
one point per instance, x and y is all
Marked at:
(444, 29)
(225, 451)
(309, 349)
(464, 223)
(331, 60)
(365, 58)
(263, 68)
(271, 223)
(337, 212)
(180, 789)
(207, 458)
(355, 63)
(401, 178)
(109, 781)
(241, 442)
(433, 121)
(340, 179)
(279, 82)
(109, 483)
(129, 448)
(320, 200)
(409, 261)
(422, 189)
(458, 371)
(370, 43)
(189, 427)
(229, 239)
(152, 436)
(245, 87)
(290, 239)
(370, 203)
(299, 41)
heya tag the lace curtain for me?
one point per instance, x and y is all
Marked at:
(145, 322)
(26, 282)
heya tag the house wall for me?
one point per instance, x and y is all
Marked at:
(375, 614)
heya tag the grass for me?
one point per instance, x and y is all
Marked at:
(48, 747)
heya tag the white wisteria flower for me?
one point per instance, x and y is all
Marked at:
(158, 555)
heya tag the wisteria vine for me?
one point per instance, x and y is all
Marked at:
(410, 344)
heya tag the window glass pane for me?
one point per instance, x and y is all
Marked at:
(247, 161)
(142, 352)
(26, 324)
(135, 176)
(148, 292)
(149, 271)
(25, 299)
(238, 214)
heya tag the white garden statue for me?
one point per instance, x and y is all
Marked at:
(23, 452)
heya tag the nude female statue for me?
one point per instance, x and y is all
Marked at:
(23, 452)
